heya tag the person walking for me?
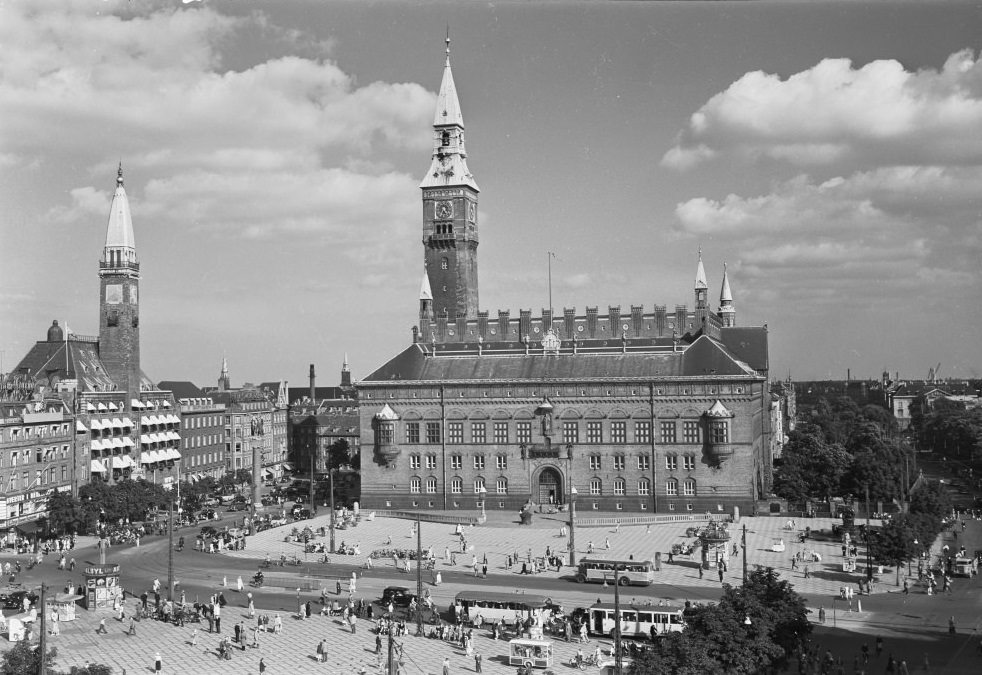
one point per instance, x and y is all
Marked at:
(719, 569)
(132, 630)
(194, 637)
(252, 606)
(255, 637)
(322, 651)
(217, 613)
(238, 584)
(700, 571)
(951, 626)
(821, 614)
(378, 644)
(446, 666)
(262, 666)
(158, 664)
(477, 662)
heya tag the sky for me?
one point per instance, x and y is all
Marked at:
(829, 153)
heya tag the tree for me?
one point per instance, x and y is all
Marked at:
(64, 513)
(718, 639)
(243, 477)
(25, 659)
(894, 544)
(810, 466)
(338, 454)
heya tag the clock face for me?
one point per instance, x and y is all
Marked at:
(114, 294)
(444, 210)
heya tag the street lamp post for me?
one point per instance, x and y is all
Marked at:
(572, 507)
(572, 526)
(483, 491)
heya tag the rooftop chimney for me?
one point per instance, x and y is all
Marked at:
(312, 398)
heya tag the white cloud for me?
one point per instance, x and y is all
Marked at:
(871, 237)
(834, 112)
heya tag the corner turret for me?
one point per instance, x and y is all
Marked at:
(727, 312)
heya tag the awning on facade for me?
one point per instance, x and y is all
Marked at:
(79, 426)
(127, 423)
(173, 454)
(97, 467)
(128, 442)
(287, 466)
(135, 404)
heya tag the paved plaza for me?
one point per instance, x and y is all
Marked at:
(295, 648)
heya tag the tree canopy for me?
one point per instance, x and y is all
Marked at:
(718, 638)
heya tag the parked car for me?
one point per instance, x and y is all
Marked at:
(238, 506)
(400, 596)
(15, 600)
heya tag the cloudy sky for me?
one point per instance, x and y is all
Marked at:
(830, 154)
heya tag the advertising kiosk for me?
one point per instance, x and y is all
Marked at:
(102, 586)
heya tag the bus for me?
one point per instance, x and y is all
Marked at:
(629, 572)
(639, 621)
(506, 607)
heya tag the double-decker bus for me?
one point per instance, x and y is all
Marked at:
(639, 621)
(508, 607)
(628, 572)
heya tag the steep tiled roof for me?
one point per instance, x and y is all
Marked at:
(182, 389)
(704, 357)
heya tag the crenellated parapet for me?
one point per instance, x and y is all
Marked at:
(568, 325)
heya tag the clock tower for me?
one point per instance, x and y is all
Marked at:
(119, 308)
(450, 211)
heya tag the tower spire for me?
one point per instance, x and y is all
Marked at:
(727, 311)
(701, 287)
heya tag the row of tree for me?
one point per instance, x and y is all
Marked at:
(133, 501)
(840, 449)
(947, 427)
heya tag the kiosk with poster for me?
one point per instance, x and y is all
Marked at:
(102, 586)
(64, 604)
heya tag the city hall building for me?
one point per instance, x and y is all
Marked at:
(658, 410)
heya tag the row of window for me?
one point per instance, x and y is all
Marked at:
(688, 486)
(430, 432)
(41, 477)
(24, 455)
(16, 433)
(596, 462)
(200, 421)
(200, 441)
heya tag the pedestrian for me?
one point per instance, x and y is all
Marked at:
(132, 630)
(438, 580)
(102, 627)
(252, 607)
(821, 614)
(446, 666)
(951, 626)
(262, 666)
(217, 613)
(194, 637)
(255, 637)
(378, 644)
(322, 651)
(720, 571)
(337, 587)
(906, 587)
(700, 571)
(477, 662)
(238, 584)
(807, 572)
(158, 664)
(352, 622)
(879, 646)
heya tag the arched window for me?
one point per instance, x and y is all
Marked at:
(619, 486)
(478, 485)
(644, 487)
(596, 486)
(501, 486)
(431, 485)
(414, 484)
(445, 138)
(672, 488)
(456, 485)
(444, 264)
(689, 487)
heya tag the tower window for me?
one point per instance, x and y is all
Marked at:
(445, 139)
(444, 264)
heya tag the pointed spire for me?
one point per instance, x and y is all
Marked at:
(701, 274)
(119, 232)
(344, 366)
(725, 296)
(424, 288)
(447, 104)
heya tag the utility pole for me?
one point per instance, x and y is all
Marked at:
(330, 474)
(419, 579)
(393, 664)
(744, 546)
(617, 623)
(42, 646)
(869, 541)
(170, 551)
(313, 509)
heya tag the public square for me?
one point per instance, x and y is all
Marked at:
(911, 626)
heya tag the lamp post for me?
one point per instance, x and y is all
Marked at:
(572, 506)
(483, 492)
(572, 526)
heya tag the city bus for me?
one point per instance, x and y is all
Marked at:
(492, 607)
(629, 572)
(636, 621)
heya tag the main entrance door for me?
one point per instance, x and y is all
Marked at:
(550, 487)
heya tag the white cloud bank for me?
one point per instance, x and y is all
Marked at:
(900, 216)
(288, 145)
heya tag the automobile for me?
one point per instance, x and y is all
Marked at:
(211, 501)
(301, 514)
(267, 501)
(15, 600)
(285, 479)
(206, 514)
(238, 506)
(399, 596)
